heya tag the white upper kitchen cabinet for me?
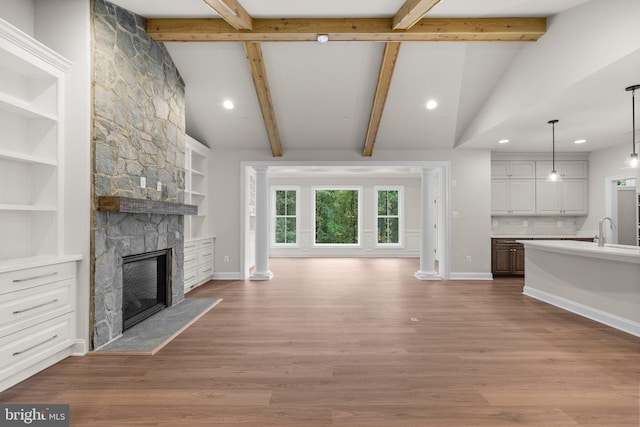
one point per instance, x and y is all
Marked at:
(513, 197)
(569, 197)
(568, 169)
(513, 169)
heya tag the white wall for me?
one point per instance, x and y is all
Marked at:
(470, 199)
(64, 26)
(19, 13)
(412, 203)
(603, 163)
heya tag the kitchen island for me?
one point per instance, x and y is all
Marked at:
(601, 283)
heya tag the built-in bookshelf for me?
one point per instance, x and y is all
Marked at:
(31, 147)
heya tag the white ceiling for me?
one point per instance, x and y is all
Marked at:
(322, 93)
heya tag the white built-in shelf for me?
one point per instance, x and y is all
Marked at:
(31, 147)
(22, 108)
(195, 193)
(35, 208)
(197, 173)
(26, 158)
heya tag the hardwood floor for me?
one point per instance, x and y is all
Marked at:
(332, 342)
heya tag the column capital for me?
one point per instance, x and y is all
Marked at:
(428, 171)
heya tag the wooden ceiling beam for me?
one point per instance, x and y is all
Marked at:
(389, 58)
(348, 29)
(411, 12)
(259, 74)
(232, 12)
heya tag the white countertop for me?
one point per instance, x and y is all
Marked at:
(36, 261)
(543, 236)
(588, 249)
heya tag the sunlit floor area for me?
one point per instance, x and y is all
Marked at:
(360, 342)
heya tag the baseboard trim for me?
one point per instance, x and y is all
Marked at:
(470, 276)
(600, 316)
(79, 348)
(227, 276)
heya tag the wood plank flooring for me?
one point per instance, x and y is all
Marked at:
(332, 342)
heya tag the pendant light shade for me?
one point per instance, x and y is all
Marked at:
(553, 176)
(632, 162)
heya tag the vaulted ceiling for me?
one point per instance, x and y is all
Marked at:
(361, 93)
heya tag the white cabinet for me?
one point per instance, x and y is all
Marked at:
(513, 196)
(31, 125)
(196, 159)
(198, 262)
(37, 315)
(568, 169)
(513, 169)
(567, 197)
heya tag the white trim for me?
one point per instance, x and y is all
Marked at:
(272, 223)
(79, 348)
(470, 276)
(600, 316)
(360, 191)
(611, 202)
(230, 275)
(400, 190)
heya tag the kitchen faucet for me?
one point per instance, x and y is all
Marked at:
(601, 230)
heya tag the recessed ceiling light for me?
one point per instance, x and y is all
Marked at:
(503, 141)
(579, 141)
(228, 104)
(323, 38)
(431, 104)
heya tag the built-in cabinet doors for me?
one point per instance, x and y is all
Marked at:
(561, 198)
(513, 169)
(569, 169)
(513, 196)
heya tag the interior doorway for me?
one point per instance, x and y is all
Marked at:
(621, 207)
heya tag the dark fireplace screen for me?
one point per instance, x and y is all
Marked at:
(145, 282)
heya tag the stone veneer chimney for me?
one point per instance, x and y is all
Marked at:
(138, 127)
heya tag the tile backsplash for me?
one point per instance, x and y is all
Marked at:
(534, 226)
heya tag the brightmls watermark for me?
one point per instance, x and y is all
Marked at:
(34, 415)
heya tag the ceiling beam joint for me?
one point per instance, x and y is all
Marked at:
(232, 12)
(411, 12)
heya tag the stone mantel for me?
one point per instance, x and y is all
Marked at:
(132, 205)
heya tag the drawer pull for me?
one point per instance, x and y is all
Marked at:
(207, 270)
(189, 278)
(189, 260)
(189, 247)
(35, 277)
(18, 353)
(207, 255)
(35, 306)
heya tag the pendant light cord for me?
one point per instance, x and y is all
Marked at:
(633, 119)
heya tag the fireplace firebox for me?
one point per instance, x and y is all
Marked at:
(146, 280)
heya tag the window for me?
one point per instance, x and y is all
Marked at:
(285, 216)
(388, 202)
(337, 216)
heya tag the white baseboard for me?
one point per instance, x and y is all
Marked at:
(79, 348)
(600, 316)
(470, 276)
(227, 276)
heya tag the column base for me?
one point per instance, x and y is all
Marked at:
(261, 276)
(427, 275)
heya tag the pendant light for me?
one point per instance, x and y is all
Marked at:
(632, 162)
(553, 175)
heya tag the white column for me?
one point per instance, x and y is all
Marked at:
(261, 271)
(427, 231)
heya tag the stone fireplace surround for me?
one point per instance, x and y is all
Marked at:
(122, 234)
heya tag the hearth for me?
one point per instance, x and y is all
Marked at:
(146, 280)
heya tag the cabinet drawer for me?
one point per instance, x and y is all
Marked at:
(190, 247)
(206, 243)
(29, 346)
(29, 307)
(28, 278)
(190, 259)
(205, 272)
(205, 257)
(190, 280)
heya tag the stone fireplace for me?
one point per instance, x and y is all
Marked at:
(138, 132)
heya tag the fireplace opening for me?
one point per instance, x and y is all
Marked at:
(145, 285)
